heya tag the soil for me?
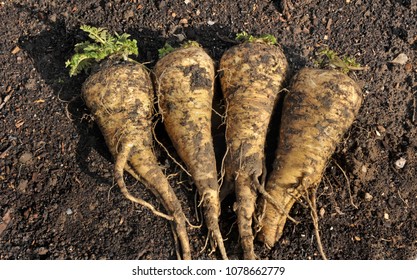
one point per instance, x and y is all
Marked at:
(58, 199)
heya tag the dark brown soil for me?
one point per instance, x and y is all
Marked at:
(58, 199)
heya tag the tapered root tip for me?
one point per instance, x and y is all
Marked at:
(121, 161)
(212, 222)
(270, 234)
(248, 248)
(216, 241)
(211, 204)
(275, 216)
(180, 233)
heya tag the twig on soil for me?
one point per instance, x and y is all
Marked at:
(67, 113)
(405, 202)
(231, 228)
(5, 152)
(205, 244)
(5, 220)
(142, 253)
(312, 202)
(7, 98)
(109, 191)
(337, 208)
(226, 39)
(348, 185)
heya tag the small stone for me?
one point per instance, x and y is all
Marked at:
(26, 158)
(368, 197)
(408, 67)
(400, 163)
(42, 251)
(16, 50)
(383, 68)
(381, 129)
(129, 14)
(322, 212)
(187, 2)
(31, 84)
(53, 181)
(19, 123)
(357, 238)
(401, 59)
(4, 222)
(364, 169)
(53, 18)
(210, 22)
(386, 216)
(161, 4)
(69, 211)
(180, 37)
(22, 187)
(183, 21)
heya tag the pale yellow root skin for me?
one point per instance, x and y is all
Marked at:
(321, 106)
(185, 86)
(251, 80)
(120, 97)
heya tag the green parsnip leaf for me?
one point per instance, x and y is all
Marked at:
(166, 49)
(267, 38)
(102, 45)
(332, 59)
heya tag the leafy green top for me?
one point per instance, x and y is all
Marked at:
(167, 48)
(267, 38)
(103, 45)
(345, 64)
